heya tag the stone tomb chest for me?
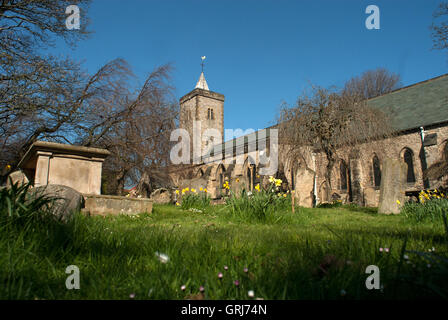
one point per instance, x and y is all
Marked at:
(55, 163)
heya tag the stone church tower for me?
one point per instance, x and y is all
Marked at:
(205, 106)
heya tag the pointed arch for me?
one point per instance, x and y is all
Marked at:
(343, 171)
(376, 170)
(408, 158)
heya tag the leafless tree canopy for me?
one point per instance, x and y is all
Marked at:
(440, 27)
(329, 121)
(49, 98)
(372, 83)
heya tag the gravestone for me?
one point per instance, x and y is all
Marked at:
(370, 197)
(393, 186)
(16, 177)
(65, 200)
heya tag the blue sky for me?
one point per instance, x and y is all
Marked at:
(262, 52)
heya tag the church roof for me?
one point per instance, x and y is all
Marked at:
(421, 104)
(202, 84)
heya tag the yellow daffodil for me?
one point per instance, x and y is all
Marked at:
(205, 190)
(177, 191)
(257, 187)
(8, 167)
(177, 204)
(193, 190)
(284, 195)
(398, 202)
(200, 189)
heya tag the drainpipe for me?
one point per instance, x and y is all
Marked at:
(423, 157)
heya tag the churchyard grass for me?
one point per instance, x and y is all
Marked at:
(319, 253)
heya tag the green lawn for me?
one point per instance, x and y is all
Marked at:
(312, 254)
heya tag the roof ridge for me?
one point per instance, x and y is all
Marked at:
(410, 86)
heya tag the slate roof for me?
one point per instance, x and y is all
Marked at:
(421, 104)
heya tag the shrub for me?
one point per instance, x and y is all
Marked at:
(261, 204)
(191, 199)
(20, 207)
(431, 209)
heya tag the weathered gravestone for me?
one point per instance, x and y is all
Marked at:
(393, 185)
(161, 196)
(65, 200)
(370, 197)
(16, 177)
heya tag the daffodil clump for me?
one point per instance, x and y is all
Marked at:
(261, 203)
(192, 198)
(431, 206)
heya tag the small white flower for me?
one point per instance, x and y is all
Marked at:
(428, 265)
(249, 193)
(406, 257)
(162, 257)
(251, 293)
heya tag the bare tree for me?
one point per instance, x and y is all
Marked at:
(440, 29)
(135, 127)
(329, 122)
(47, 98)
(372, 83)
(26, 77)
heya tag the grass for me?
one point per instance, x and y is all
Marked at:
(319, 253)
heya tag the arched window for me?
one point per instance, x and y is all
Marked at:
(445, 151)
(376, 171)
(343, 173)
(293, 182)
(221, 172)
(409, 160)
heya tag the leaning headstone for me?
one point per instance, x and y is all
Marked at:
(161, 196)
(16, 177)
(370, 197)
(393, 186)
(66, 201)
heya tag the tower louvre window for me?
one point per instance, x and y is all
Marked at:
(210, 114)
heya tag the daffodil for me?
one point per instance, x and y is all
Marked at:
(200, 189)
(398, 202)
(257, 187)
(193, 190)
(177, 191)
(205, 190)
